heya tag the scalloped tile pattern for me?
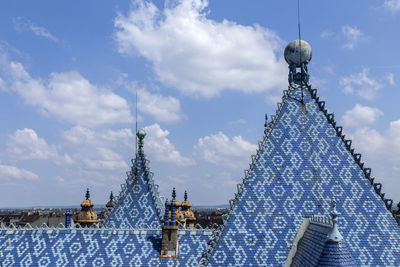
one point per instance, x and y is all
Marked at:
(302, 165)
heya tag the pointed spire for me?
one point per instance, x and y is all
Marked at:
(266, 121)
(110, 204)
(166, 213)
(173, 194)
(87, 194)
(334, 235)
(141, 135)
(68, 216)
(172, 213)
(185, 196)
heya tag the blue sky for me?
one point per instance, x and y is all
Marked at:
(205, 72)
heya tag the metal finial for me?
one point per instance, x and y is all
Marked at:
(185, 196)
(111, 196)
(172, 214)
(266, 121)
(173, 193)
(334, 235)
(68, 215)
(166, 213)
(141, 135)
(334, 212)
(87, 194)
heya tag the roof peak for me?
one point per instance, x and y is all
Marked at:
(139, 196)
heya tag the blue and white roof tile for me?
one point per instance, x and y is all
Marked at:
(303, 162)
(139, 204)
(97, 247)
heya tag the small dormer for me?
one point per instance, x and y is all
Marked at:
(319, 243)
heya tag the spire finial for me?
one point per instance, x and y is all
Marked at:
(172, 213)
(334, 235)
(111, 196)
(68, 216)
(334, 212)
(136, 122)
(173, 193)
(141, 135)
(185, 196)
(166, 213)
(87, 194)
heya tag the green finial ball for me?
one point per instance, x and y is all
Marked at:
(141, 134)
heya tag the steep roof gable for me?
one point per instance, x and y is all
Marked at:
(138, 205)
(302, 163)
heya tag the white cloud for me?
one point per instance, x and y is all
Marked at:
(59, 179)
(219, 149)
(26, 144)
(349, 36)
(79, 135)
(95, 149)
(162, 108)
(158, 146)
(67, 96)
(326, 34)
(361, 84)
(21, 24)
(353, 35)
(390, 78)
(361, 116)
(273, 99)
(14, 172)
(381, 152)
(104, 159)
(200, 56)
(392, 5)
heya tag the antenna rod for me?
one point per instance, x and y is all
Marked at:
(298, 19)
(136, 144)
(301, 52)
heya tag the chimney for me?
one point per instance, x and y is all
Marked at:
(68, 215)
(169, 241)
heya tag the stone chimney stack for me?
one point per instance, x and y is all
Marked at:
(169, 241)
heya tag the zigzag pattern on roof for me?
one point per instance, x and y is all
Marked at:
(304, 161)
(138, 204)
(97, 247)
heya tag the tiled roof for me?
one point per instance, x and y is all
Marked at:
(138, 205)
(96, 247)
(303, 162)
(335, 254)
(314, 249)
